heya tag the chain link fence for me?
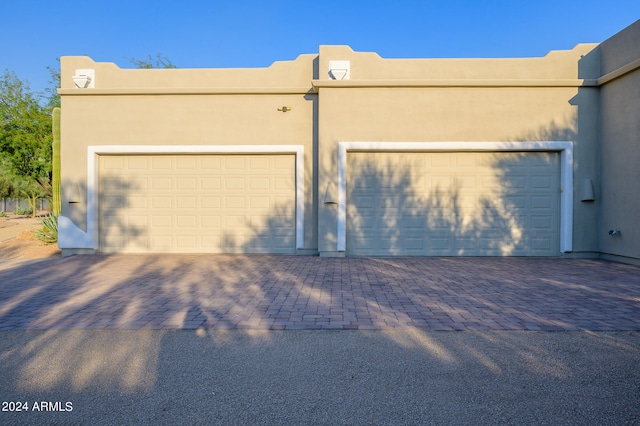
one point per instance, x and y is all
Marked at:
(11, 204)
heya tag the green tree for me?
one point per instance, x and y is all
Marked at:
(25, 134)
(160, 61)
(53, 98)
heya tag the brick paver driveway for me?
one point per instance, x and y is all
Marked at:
(294, 292)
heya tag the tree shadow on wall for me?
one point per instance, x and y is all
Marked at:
(410, 210)
(122, 215)
(211, 294)
(272, 232)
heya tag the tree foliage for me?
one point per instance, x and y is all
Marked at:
(160, 61)
(25, 133)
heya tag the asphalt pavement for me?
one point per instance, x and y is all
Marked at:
(326, 377)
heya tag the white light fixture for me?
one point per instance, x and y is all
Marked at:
(75, 197)
(84, 78)
(340, 70)
(586, 191)
(330, 196)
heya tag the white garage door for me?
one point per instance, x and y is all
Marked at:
(453, 204)
(197, 203)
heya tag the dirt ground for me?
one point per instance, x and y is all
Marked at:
(21, 243)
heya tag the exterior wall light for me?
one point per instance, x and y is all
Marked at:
(330, 196)
(84, 78)
(586, 191)
(76, 195)
(284, 108)
(340, 70)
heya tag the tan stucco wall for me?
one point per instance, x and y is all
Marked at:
(574, 95)
(438, 100)
(620, 154)
(111, 114)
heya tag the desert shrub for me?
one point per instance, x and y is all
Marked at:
(49, 232)
(23, 211)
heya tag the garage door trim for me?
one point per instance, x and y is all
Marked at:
(565, 148)
(74, 237)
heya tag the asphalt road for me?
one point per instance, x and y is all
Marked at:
(319, 377)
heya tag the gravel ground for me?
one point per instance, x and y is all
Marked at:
(321, 377)
(17, 241)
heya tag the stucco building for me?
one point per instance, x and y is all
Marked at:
(347, 153)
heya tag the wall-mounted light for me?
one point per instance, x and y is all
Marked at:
(340, 70)
(284, 108)
(84, 78)
(76, 195)
(330, 196)
(586, 191)
(614, 232)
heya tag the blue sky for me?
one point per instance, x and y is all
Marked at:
(243, 33)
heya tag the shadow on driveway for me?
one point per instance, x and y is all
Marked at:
(266, 292)
(167, 339)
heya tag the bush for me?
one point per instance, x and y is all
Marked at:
(49, 232)
(23, 211)
(3, 213)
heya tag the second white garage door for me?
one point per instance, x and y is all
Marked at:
(453, 204)
(197, 203)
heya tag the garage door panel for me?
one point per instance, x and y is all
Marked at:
(542, 222)
(276, 224)
(113, 184)
(234, 162)
(162, 242)
(283, 184)
(113, 202)
(210, 221)
(511, 182)
(160, 221)
(473, 204)
(186, 163)
(518, 202)
(136, 163)
(197, 203)
(439, 244)
(465, 243)
(541, 182)
(211, 202)
(234, 183)
(210, 183)
(186, 241)
(259, 184)
(440, 161)
(259, 203)
(186, 221)
(113, 241)
(541, 243)
(233, 202)
(541, 202)
(186, 202)
(210, 163)
(187, 184)
(162, 202)
(414, 222)
(111, 221)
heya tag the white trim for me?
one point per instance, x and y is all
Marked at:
(566, 174)
(93, 152)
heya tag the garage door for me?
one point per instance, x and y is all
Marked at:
(197, 203)
(453, 204)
